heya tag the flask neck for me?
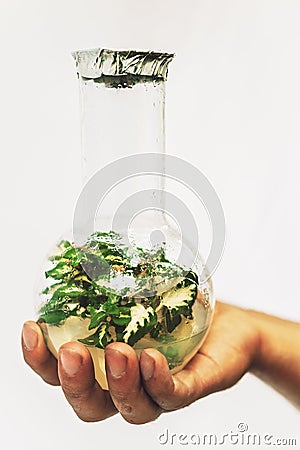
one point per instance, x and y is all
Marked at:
(122, 104)
(120, 117)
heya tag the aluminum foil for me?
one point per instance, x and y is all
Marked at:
(100, 63)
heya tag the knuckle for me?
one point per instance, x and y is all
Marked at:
(166, 404)
(28, 357)
(28, 360)
(165, 400)
(73, 393)
(191, 393)
(88, 418)
(146, 417)
(119, 397)
(126, 402)
(122, 396)
(135, 420)
(51, 381)
(36, 367)
(174, 402)
(122, 403)
(125, 408)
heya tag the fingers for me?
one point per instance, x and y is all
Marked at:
(126, 390)
(221, 361)
(36, 354)
(199, 378)
(142, 389)
(75, 372)
(77, 378)
(169, 392)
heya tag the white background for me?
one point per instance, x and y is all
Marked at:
(233, 110)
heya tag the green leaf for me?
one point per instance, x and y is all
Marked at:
(101, 338)
(67, 291)
(52, 306)
(179, 300)
(108, 245)
(111, 308)
(97, 316)
(155, 330)
(60, 249)
(50, 289)
(74, 256)
(90, 340)
(61, 271)
(104, 337)
(122, 316)
(64, 244)
(142, 319)
(54, 317)
(122, 319)
(191, 277)
(172, 321)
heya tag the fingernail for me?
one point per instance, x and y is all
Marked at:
(147, 366)
(71, 361)
(116, 362)
(30, 337)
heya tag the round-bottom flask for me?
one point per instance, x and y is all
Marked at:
(111, 284)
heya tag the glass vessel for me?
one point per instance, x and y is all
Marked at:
(117, 276)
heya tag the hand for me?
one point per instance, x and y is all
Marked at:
(142, 390)
(74, 371)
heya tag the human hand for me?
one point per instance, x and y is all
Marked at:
(142, 389)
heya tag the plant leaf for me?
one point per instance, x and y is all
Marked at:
(172, 320)
(179, 300)
(54, 317)
(61, 271)
(69, 291)
(101, 338)
(142, 319)
(97, 316)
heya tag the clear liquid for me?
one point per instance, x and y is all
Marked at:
(178, 347)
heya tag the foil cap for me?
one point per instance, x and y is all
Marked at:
(102, 63)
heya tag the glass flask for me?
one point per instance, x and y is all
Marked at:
(117, 276)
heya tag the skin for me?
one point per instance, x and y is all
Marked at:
(140, 390)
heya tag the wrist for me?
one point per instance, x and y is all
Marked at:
(258, 356)
(271, 343)
(249, 328)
